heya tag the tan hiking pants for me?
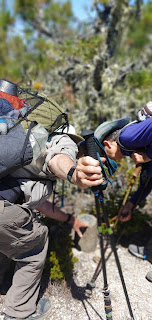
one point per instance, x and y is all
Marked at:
(23, 238)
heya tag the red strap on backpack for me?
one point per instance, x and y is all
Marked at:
(13, 100)
(9, 91)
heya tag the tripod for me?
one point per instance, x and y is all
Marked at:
(136, 172)
(99, 201)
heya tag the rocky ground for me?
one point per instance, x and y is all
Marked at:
(77, 303)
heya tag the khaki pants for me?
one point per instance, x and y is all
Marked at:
(23, 238)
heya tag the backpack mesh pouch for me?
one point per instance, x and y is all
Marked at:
(44, 110)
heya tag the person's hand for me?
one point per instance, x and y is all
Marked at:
(88, 172)
(126, 211)
(77, 224)
(140, 157)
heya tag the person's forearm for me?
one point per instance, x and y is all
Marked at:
(60, 165)
(87, 173)
(55, 213)
(141, 193)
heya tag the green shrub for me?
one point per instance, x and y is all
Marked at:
(140, 79)
(114, 197)
(60, 261)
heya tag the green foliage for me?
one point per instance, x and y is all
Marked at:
(84, 48)
(26, 8)
(56, 15)
(137, 40)
(114, 197)
(113, 203)
(105, 2)
(60, 13)
(60, 260)
(140, 79)
(112, 206)
(146, 21)
(55, 271)
(139, 31)
(137, 222)
(5, 19)
(102, 2)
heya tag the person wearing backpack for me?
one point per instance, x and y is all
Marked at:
(23, 236)
(133, 140)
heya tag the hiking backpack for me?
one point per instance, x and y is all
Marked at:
(27, 119)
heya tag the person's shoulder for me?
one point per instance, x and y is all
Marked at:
(148, 121)
(59, 138)
(145, 123)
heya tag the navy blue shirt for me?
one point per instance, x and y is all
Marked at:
(137, 136)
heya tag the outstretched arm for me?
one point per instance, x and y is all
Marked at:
(56, 213)
(139, 195)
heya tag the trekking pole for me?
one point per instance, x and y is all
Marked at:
(91, 284)
(98, 193)
(107, 300)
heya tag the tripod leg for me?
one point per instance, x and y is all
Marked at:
(106, 293)
(117, 259)
(91, 283)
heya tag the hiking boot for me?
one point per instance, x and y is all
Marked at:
(149, 276)
(43, 309)
(139, 252)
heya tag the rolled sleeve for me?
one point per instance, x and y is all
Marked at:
(36, 192)
(60, 144)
